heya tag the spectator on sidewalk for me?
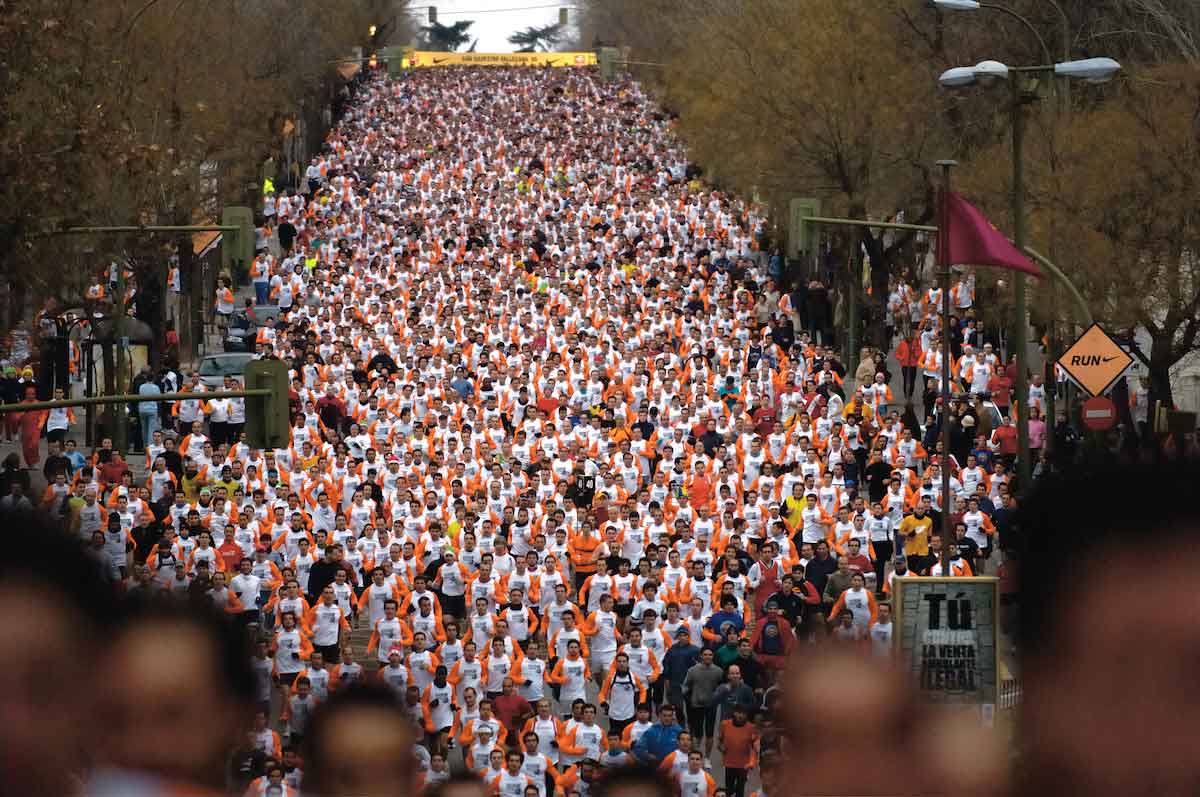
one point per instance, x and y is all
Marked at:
(148, 411)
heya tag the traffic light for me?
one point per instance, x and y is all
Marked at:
(237, 248)
(606, 57)
(433, 15)
(800, 237)
(393, 58)
(562, 16)
(268, 424)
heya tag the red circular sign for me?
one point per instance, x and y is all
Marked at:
(1098, 414)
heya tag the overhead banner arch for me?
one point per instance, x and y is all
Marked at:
(423, 58)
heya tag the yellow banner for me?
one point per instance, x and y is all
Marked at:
(416, 58)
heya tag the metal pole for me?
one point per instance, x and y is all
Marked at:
(1048, 368)
(944, 259)
(134, 398)
(130, 228)
(852, 306)
(89, 359)
(1020, 310)
(1037, 34)
(1081, 305)
(1084, 312)
(120, 352)
(874, 225)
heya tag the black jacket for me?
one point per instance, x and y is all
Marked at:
(817, 571)
(286, 233)
(8, 477)
(711, 440)
(784, 335)
(174, 462)
(382, 360)
(752, 671)
(874, 475)
(1005, 521)
(320, 575)
(790, 604)
(582, 490)
(245, 766)
(818, 309)
(55, 464)
(10, 392)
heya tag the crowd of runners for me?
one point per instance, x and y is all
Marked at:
(569, 472)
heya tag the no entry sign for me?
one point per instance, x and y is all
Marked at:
(1098, 414)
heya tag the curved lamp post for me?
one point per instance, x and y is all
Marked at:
(1090, 70)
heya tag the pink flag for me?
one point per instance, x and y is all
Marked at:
(971, 240)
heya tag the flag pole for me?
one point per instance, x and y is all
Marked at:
(943, 254)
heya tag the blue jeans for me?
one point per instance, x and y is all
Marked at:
(260, 292)
(150, 425)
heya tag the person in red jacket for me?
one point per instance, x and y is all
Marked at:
(773, 640)
(909, 354)
(30, 424)
(1004, 438)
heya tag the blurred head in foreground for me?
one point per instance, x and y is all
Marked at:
(178, 694)
(53, 604)
(635, 781)
(360, 742)
(855, 727)
(1110, 633)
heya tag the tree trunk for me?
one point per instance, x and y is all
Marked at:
(151, 308)
(109, 412)
(190, 323)
(156, 314)
(1160, 373)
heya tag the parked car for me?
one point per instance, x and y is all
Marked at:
(243, 327)
(215, 367)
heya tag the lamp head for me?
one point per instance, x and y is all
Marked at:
(988, 72)
(957, 77)
(1093, 70)
(956, 5)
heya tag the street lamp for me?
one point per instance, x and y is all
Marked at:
(1091, 70)
(989, 72)
(957, 76)
(1063, 98)
(976, 5)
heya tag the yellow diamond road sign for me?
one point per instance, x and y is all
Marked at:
(1095, 361)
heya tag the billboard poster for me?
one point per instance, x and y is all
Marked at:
(947, 638)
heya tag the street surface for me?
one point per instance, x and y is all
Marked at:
(529, 352)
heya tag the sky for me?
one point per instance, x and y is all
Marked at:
(500, 20)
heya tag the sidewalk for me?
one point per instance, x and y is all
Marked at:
(37, 481)
(213, 342)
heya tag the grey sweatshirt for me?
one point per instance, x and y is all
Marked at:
(700, 683)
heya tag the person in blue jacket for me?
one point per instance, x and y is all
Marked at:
(720, 623)
(660, 738)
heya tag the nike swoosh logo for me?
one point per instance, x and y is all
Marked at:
(1108, 359)
(440, 60)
